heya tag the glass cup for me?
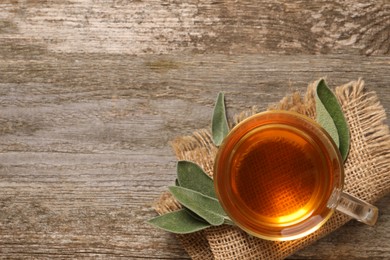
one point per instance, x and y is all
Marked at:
(279, 176)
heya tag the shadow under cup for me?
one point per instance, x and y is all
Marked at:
(275, 174)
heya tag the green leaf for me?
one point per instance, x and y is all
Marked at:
(179, 222)
(326, 121)
(192, 176)
(204, 206)
(331, 117)
(227, 220)
(230, 222)
(219, 124)
(194, 215)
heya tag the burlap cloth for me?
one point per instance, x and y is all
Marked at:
(367, 172)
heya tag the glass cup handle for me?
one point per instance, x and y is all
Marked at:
(357, 209)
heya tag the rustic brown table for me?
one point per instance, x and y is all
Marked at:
(91, 93)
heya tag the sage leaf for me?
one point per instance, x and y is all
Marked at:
(331, 117)
(230, 222)
(204, 206)
(186, 209)
(191, 176)
(326, 121)
(179, 222)
(227, 220)
(194, 215)
(219, 124)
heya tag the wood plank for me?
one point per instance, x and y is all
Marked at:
(84, 144)
(163, 27)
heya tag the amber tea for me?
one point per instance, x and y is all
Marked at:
(279, 175)
(275, 175)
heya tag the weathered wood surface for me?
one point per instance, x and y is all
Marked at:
(91, 92)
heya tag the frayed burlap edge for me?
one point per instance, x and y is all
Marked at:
(366, 174)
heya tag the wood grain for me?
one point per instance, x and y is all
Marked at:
(91, 93)
(165, 26)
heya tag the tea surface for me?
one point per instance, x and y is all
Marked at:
(279, 176)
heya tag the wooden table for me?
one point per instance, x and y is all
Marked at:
(91, 93)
